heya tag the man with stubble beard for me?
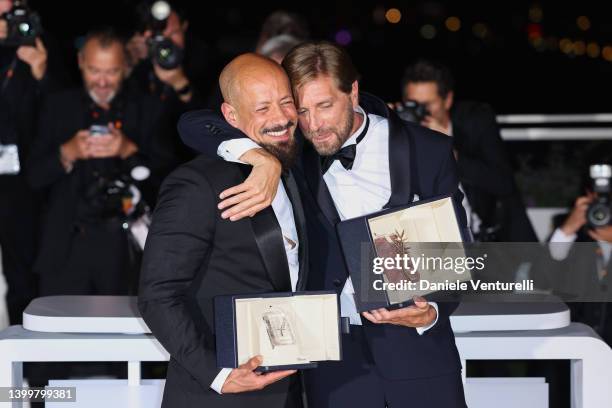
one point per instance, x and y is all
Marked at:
(361, 158)
(193, 255)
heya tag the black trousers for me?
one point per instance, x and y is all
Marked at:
(18, 245)
(97, 264)
(356, 382)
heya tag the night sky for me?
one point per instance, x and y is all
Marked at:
(491, 54)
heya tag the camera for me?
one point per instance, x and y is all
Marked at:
(23, 25)
(162, 50)
(412, 111)
(117, 194)
(599, 213)
(120, 196)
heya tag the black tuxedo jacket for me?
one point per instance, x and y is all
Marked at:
(191, 256)
(421, 163)
(486, 173)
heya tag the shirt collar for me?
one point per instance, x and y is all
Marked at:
(353, 139)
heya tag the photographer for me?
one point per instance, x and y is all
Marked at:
(24, 79)
(172, 64)
(493, 203)
(88, 141)
(584, 268)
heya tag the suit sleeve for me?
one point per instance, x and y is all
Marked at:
(448, 183)
(44, 167)
(178, 243)
(193, 134)
(488, 168)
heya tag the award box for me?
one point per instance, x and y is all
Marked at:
(427, 229)
(291, 330)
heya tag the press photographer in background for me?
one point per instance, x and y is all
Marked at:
(25, 78)
(91, 158)
(493, 203)
(584, 269)
(169, 62)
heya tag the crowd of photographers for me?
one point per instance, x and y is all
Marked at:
(80, 167)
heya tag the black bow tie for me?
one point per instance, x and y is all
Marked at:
(347, 154)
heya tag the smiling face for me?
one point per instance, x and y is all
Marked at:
(326, 114)
(103, 70)
(258, 101)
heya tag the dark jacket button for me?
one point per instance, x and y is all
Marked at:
(337, 283)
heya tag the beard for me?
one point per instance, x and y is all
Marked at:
(285, 152)
(99, 100)
(340, 134)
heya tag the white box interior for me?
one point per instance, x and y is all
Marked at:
(426, 223)
(431, 222)
(311, 320)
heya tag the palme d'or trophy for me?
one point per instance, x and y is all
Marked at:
(390, 245)
(278, 327)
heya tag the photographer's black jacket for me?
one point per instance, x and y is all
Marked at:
(20, 96)
(486, 173)
(201, 67)
(62, 115)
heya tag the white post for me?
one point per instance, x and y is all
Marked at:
(133, 373)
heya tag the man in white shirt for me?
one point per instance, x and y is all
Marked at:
(193, 255)
(360, 158)
(582, 267)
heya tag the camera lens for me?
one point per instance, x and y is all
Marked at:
(167, 55)
(598, 215)
(24, 28)
(164, 53)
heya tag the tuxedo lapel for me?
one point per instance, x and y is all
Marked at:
(269, 238)
(314, 178)
(401, 163)
(300, 224)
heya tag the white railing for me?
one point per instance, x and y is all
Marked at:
(528, 133)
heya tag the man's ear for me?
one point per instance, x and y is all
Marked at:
(230, 114)
(355, 94)
(448, 101)
(184, 26)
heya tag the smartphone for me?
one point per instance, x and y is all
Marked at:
(98, 130)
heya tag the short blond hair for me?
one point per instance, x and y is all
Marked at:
(309, 60)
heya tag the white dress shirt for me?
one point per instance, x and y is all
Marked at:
(283, 210)
(364, 189)
(560, 252)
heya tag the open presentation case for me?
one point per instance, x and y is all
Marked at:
(426, 229)
(290, 330)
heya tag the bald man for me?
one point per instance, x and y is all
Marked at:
(193, 255)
